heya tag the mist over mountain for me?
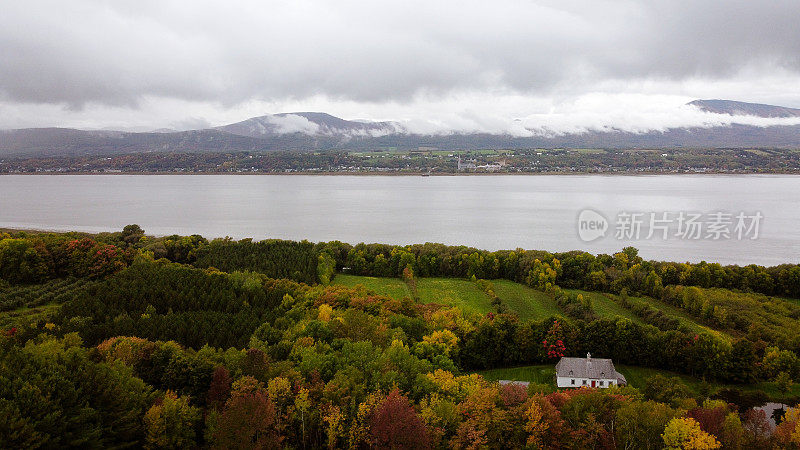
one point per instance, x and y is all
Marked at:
(735, 108)
(315, 123)
(317, 131)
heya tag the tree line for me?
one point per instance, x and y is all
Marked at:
(34, 257)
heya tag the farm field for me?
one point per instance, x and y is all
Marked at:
(605, 307)
(684, 317)
(454, 292)
(390, 287)
(446, 291)
(53, 291)
(24, 304)
(527, 302)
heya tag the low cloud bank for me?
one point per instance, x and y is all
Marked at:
(575, 122)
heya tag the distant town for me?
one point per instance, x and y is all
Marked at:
(424, 161)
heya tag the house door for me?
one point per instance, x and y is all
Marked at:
(592, 383)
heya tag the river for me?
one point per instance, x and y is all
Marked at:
(758, 215)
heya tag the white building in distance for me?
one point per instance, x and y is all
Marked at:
(588, 372)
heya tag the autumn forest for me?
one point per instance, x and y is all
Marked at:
(128, 340)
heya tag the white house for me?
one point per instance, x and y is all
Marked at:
(577, 372)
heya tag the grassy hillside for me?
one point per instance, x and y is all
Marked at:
(445, 291)
(608, 305)
(735, 312)
(391, 287)
(605, 307)
(527, 302)
(454, 292)
(685, 318)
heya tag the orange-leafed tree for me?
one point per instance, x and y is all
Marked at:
(248, 421)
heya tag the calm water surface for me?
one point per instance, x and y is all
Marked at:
(490, 212)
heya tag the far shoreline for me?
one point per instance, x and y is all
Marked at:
(413, 174)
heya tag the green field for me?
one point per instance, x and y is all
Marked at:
(605, 307)
(527, 302)
(541, 374)
(454, 292)
(444, 291)
(390, 287)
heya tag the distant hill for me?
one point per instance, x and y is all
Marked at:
(320, 131)
(310, 123)
(71, 142)
(745, 109)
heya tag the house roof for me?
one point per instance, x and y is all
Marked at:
(592, 368)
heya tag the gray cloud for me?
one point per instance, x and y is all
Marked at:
(124, 54)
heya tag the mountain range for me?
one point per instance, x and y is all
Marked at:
(321, 131)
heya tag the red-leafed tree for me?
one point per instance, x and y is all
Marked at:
(88, 258)
(757, 428)
(553, 342)
(395, 424)
(711, 420)
(220, 388)
(513, 394)
(247, 422)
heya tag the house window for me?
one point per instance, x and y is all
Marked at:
(573, 381)
(584, 382)
(601, 383)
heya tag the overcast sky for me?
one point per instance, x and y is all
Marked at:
(434, 65)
